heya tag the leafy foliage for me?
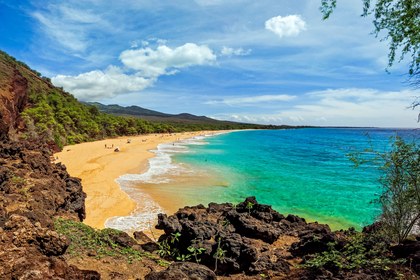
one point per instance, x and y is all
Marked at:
(196, 252)
(400, 198)
(359, 251)
(58, 117)
(220, 254)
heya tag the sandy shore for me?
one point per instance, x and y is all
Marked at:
(98, 167)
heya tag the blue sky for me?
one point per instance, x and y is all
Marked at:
(267, 61)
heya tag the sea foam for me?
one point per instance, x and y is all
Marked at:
(161, 170)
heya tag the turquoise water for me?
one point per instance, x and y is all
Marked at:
(305, 171)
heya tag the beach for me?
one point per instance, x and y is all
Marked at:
(98, 165)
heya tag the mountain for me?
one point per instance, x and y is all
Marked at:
(146, 114)
(127, 111)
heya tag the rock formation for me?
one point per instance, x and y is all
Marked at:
(34, 192)
(253, 240)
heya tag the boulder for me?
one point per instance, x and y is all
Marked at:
(183, 271)
(409, 249)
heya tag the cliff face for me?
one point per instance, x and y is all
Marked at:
(33, 193)
(13, 99)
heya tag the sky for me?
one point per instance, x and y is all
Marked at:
(266, 61)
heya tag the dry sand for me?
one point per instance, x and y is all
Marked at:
(98, 167)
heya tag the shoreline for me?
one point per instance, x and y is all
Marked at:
(98, 166)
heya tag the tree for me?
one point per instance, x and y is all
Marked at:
(400, 180)
(400, 200)
(400, 20)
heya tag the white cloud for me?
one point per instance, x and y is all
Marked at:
(250, 100)
(226, 51)
(163, 60)
(147, 65)
(342, 107)
(70, 38)
(286, 26)
(70, 27)
(98, 84)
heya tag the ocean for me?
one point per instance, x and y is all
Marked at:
(306, 172)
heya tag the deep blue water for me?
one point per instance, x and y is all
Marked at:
(302, 171)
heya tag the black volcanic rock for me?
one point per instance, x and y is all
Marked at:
(240, 236)
(314, 239)
(410, 250)
(183, 270)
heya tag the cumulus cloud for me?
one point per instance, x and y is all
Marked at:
(226, 51)
(251, 100)
(286, 26)
(98, 84)
(142, 68)
(163, 60)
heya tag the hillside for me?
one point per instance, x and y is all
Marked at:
(45, 111)
(183, 119)
(136, 111)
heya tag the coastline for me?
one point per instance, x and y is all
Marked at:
(99, 167)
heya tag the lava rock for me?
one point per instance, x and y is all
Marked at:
(183, 270)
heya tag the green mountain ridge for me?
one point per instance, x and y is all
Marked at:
(147, 114)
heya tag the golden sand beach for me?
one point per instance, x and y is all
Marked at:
(98, 165)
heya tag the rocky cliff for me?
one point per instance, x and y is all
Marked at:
(13, 99)
(33, 193)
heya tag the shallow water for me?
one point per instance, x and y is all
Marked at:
(305, 172)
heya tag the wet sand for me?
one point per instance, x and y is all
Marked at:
(99, 166)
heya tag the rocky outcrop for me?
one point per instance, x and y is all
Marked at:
(184, 271)
(33, 192)
(33, 187)
(236, 238)
(13, 100)
(251, 240)
(410, 250)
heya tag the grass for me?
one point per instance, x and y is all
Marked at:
(86, 240)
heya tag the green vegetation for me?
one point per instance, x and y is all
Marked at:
(196, 252)
(249, 206)
(58, 117)
(85, 240)
(400, 197)
(168, 248)
(359, 251)
(400, 200)
(220, 254)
